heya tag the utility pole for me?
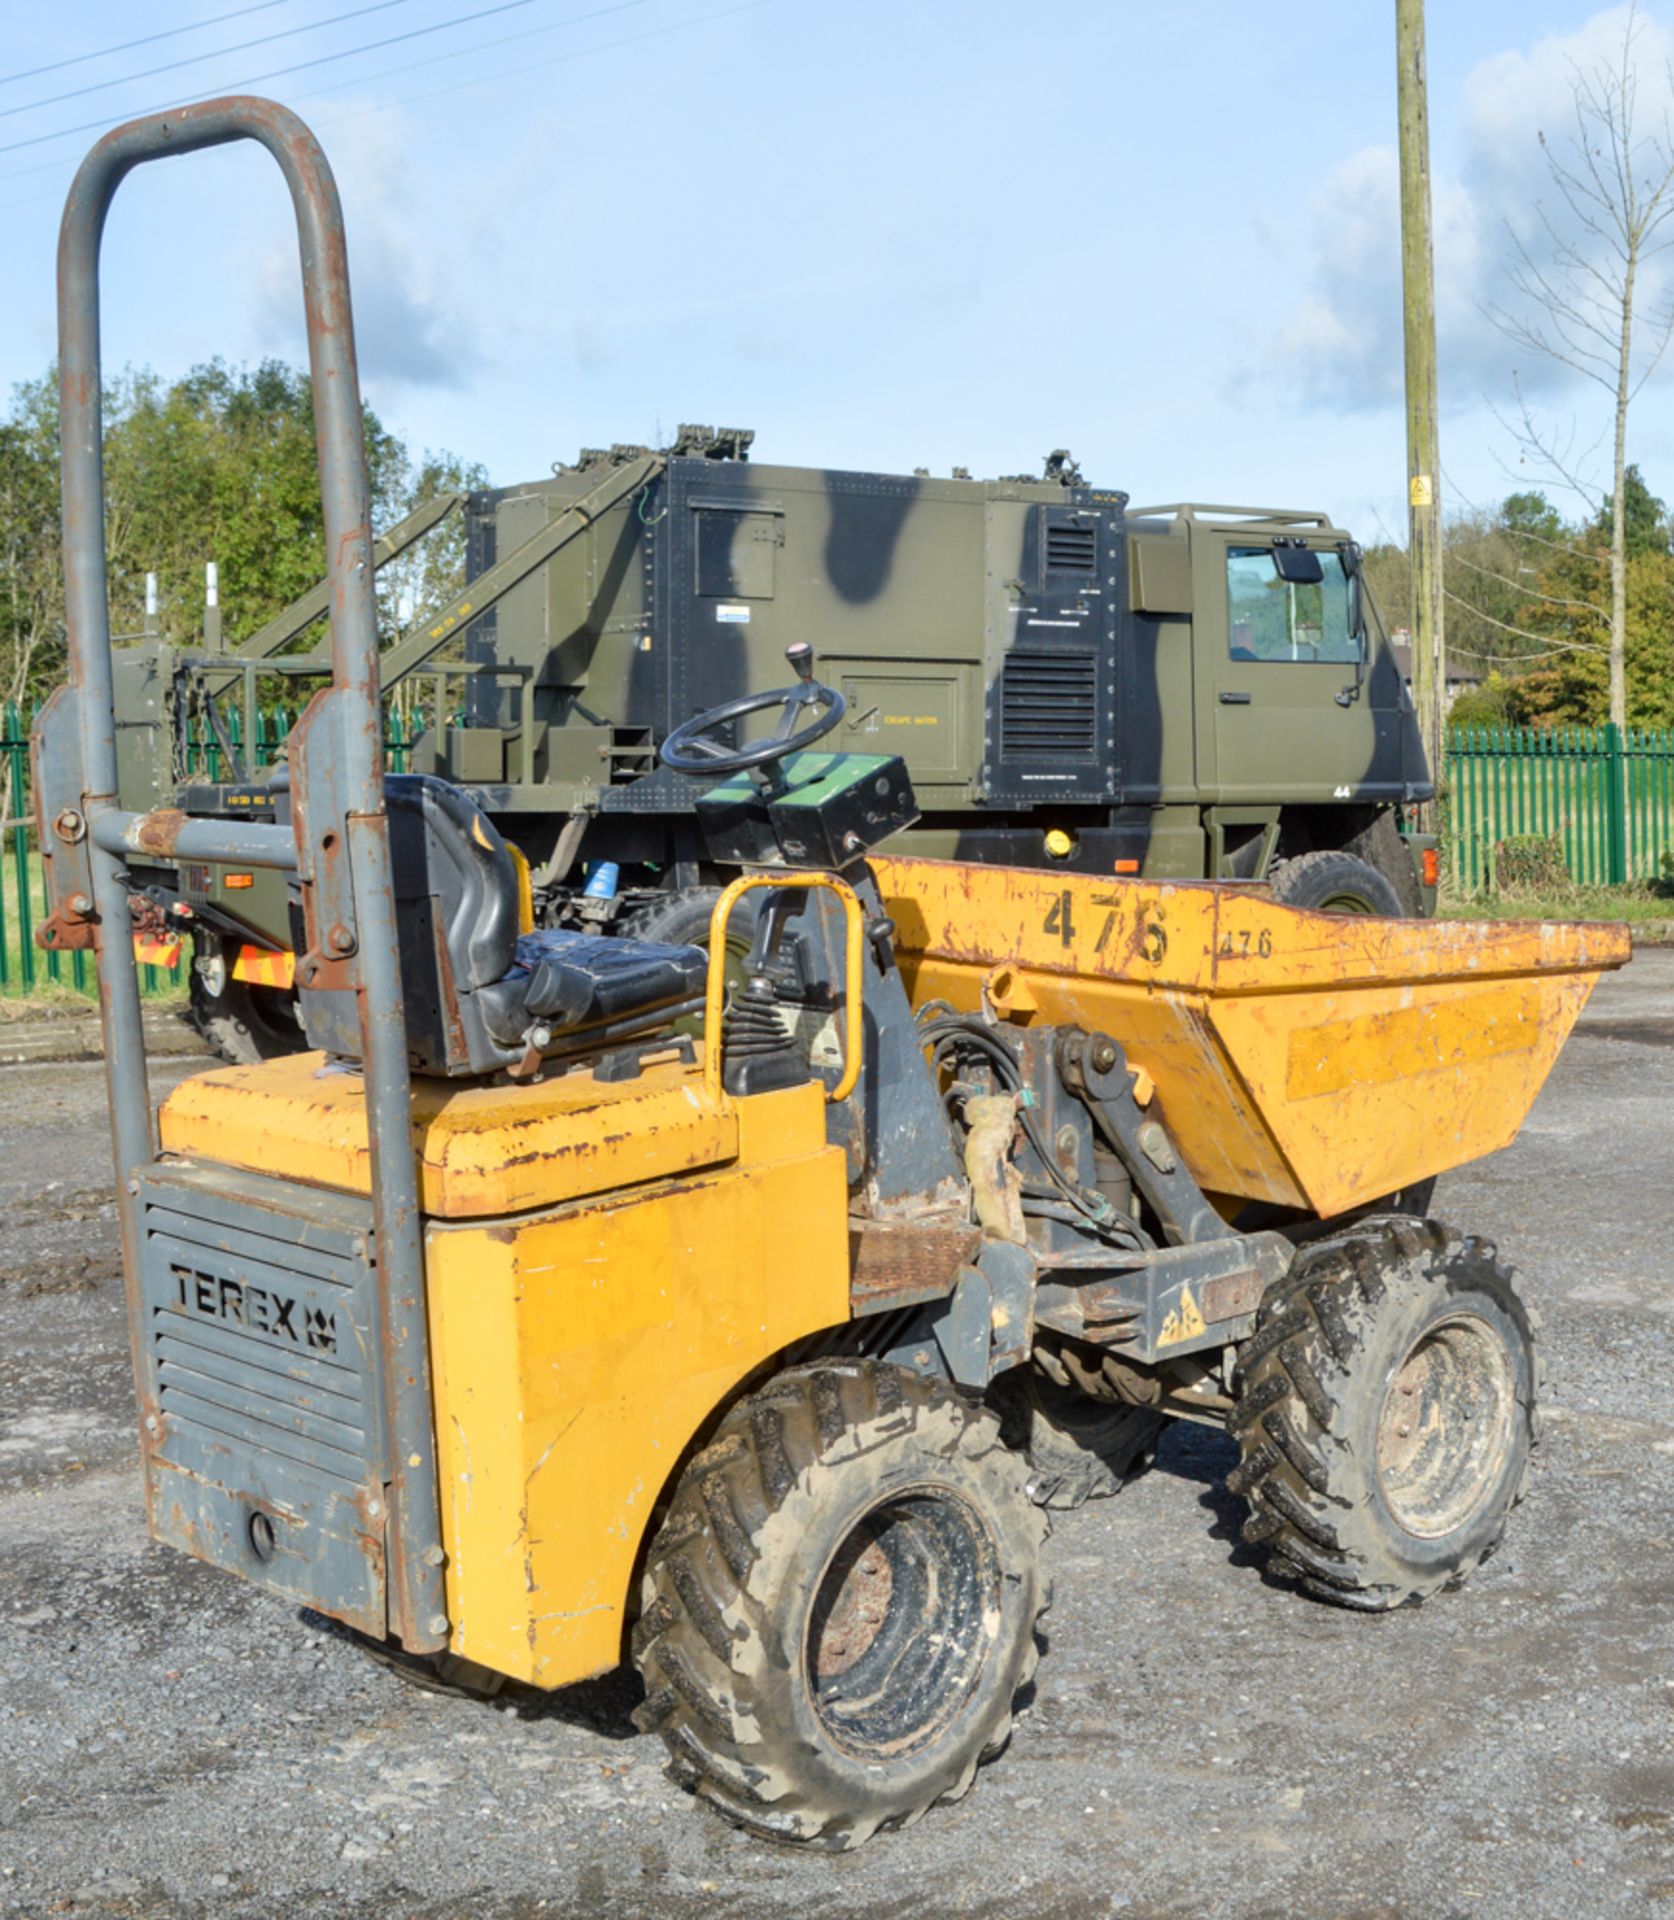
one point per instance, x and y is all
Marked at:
(1424, 548)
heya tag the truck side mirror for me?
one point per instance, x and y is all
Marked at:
(1352, 573)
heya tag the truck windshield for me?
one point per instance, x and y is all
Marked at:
(1274, 619)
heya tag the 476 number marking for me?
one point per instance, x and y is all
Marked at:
(1241, 946)
(1060, 919)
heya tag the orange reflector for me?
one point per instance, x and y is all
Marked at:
(259, 968)
(238, 880)
(1127, 866)
(1432, 867)
(156, 953)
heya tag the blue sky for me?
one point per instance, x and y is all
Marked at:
(883, 235)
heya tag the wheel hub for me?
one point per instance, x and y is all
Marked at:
(1445, 1426)
(903, 1622)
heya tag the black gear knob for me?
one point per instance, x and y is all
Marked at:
(801, 657)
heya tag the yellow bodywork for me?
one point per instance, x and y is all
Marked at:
(1313, 1060)
(575, 1356)
(607, 1261)
(483, 1150)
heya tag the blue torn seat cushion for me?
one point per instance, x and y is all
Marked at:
(568, 981)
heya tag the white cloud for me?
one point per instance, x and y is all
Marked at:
(404, 264)
(1342, 341)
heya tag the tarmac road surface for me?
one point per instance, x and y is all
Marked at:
(1200, 1742)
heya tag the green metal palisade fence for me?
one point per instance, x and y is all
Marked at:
(1605, 794)
(24, 967)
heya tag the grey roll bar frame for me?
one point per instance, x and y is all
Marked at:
(347, 724)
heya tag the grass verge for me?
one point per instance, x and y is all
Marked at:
(1643, 907)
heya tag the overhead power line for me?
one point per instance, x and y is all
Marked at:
(554, 60)
(504, 73)
(384, 73)
(277, 73)
(476, 46)
(197, 59)
(147, 40)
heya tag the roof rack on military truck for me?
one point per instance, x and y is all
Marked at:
(1189, 511)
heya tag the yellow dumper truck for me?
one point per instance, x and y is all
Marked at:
(569, 1303)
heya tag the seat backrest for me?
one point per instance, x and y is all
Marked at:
(444, 847)
(456, 903)
(477, 992)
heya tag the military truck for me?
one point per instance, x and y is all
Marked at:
(1178, 691)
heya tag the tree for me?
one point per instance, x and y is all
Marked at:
(220, 466)
(32, 586)
(415, 583)
(1577, 296)
(1644, 518)
(428, 575)
(217, 466)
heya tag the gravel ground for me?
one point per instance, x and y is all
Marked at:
(1199, 1742)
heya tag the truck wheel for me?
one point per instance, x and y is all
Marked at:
(1331, 882)
(1382, 846)
(1384, 1412)
(242, 1023)
(1078, 1448)
(840, 1604)
(682, 920)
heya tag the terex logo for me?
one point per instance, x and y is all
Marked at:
(281, 1317)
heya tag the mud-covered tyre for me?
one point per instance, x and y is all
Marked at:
(1078, 1448)
(1331, 882)
(1384, 1413)
(840, 1604)
(242, 1023)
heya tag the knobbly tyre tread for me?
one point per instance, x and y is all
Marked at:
(1298, 1394)
(1308, 880)
(707, 1645)
(682, 919)
(1382, 846)
(1067, 1468)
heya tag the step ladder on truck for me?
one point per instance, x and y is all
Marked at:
(564, 1305)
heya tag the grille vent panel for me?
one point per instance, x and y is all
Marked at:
(265, 1451)
(1049, 705)
(1071, 549)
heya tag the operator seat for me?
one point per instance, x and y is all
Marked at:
(480, 995)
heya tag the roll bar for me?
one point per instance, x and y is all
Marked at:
(338, 841)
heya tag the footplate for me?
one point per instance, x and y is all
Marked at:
(261, 1395)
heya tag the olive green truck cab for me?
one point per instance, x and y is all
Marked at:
(1173, 692)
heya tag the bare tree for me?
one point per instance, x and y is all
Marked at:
(1578, 294)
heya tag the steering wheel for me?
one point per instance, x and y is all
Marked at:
(691, 749)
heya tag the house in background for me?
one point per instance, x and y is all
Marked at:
(1458, 678)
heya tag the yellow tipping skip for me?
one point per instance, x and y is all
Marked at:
(1315, 1060)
